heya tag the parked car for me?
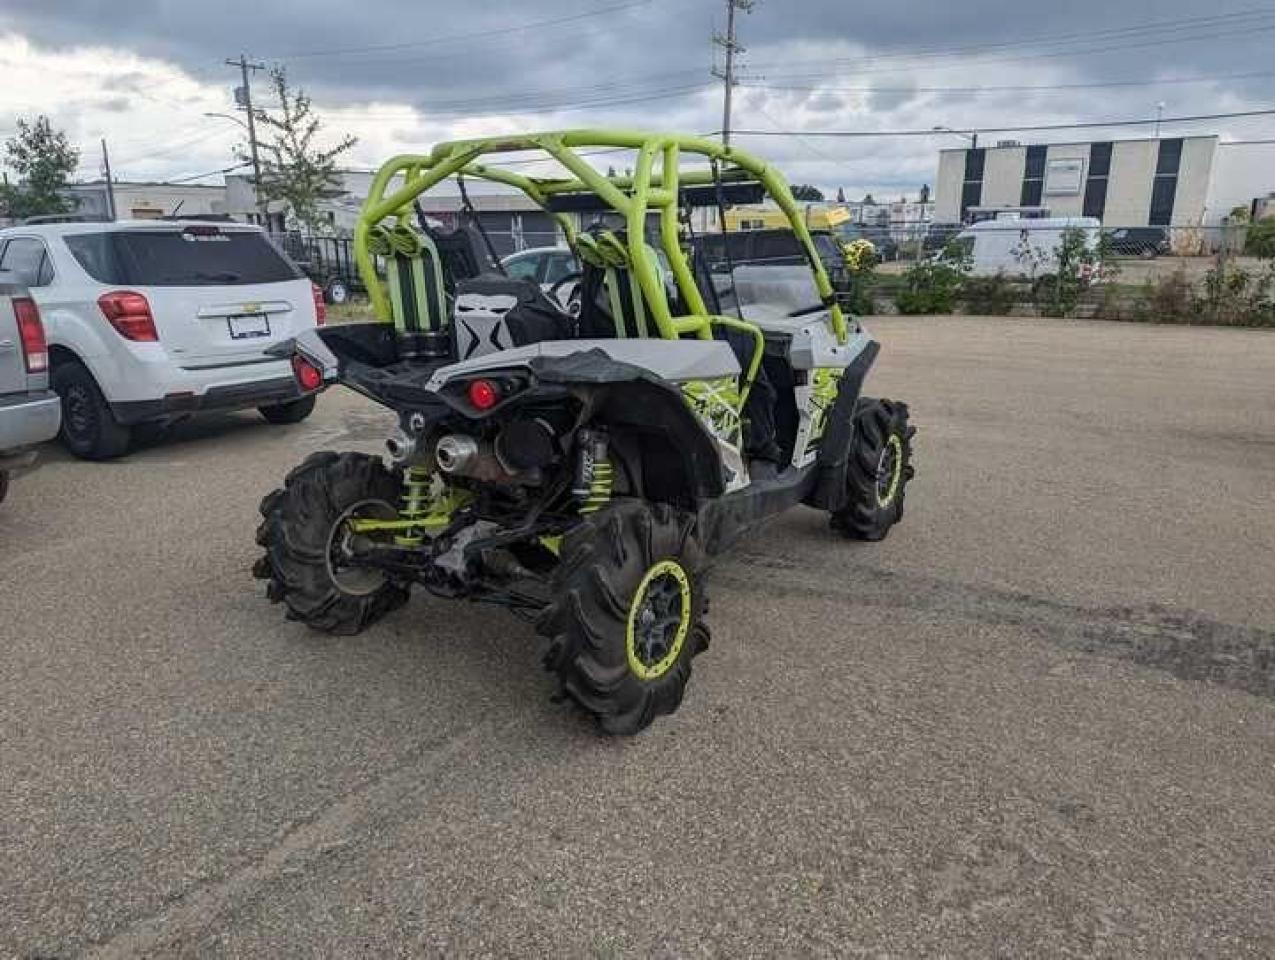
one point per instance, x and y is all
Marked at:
(1019, 247)
(550, 267)
(151, 321)
(1146, 242)
(29, 410)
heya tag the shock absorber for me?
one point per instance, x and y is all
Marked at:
(594, 473)
(416, 501)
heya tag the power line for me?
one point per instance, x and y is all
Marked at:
(1017, 88)
(1034, 43)
(1010, 128)
(210, 173)
(1080, 52)
(455, 37)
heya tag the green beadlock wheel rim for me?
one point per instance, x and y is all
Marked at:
(659, 620)
(889, 470)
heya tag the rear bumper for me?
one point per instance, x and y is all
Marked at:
(234, 396)
(27, 419)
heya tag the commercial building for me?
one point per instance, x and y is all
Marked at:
(146, 201)
(1170, 182)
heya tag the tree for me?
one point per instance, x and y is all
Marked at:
(804, 191)
(294, 169)
(841, 195)
(43, 159)
(925, 193)
(868, 201)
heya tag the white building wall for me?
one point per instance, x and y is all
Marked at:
(1066, 204)
(1242, 172)
(1129, 185)
(947, 186)
(1195, 174)
(1003, 176)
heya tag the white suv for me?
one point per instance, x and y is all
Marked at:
(149, 321)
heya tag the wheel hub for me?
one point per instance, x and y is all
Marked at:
(659, 620)
(350, 579)
(889, 470)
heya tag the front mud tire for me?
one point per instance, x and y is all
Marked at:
(627, 616)
(297, 532)
(878, 471)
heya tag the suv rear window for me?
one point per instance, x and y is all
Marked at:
(194, 257)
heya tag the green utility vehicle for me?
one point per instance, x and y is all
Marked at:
(581, 470)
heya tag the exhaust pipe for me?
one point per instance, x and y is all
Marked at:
(401, 447)
(457, 454)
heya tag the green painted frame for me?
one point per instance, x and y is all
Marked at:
(631, 197)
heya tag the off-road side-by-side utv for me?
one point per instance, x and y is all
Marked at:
(581, 470)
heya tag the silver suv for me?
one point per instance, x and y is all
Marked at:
(29, 411)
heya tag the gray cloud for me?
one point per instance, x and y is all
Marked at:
(862, 66)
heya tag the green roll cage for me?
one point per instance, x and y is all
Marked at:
(632, 197)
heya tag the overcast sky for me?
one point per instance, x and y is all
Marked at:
(403, 74)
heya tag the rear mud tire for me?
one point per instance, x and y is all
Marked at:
(625, 572)
(292, 412)
(297, 531)
(879, 469)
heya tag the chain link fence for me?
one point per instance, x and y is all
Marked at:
(1221, 274)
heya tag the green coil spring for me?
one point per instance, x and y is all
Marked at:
(599, 487)
(416, 502)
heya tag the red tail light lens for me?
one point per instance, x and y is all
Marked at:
(320, 308)
(35, 349)
(308, 375)
(483, 394)
(130, 315)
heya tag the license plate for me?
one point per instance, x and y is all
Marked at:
(249, 326)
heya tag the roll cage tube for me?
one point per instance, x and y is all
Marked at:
(630, 197)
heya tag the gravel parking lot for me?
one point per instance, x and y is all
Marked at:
(1038, 720)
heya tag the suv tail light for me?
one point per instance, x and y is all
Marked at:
(130, 315)
(35, 349)
(309, 376)
(320, 308)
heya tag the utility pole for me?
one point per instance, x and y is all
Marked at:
(243, 96)
(110, 183)
(727, 72)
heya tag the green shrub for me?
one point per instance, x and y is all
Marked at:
(932, 286)
(990, 296)
(1261, 240)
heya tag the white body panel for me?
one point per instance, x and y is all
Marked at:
(196, 351)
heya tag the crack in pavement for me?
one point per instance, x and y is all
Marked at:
(190, 912)
(1185, 643)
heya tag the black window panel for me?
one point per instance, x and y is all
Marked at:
(971, 196)
(1099, 159)
(1096, 197)
(1170, 158)
(28, 261)
(1033, 191)
(974, 160)
(194, 257)
(1035, 167)
(1162, 194)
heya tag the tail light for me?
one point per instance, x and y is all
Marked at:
(35, 349)
(130, 315)
(320, 308)
(483, 394)
(309, 376)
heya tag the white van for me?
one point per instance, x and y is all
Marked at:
(1023, 246)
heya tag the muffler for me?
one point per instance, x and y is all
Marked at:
(459, 454)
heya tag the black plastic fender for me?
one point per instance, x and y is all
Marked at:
(834, 450)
